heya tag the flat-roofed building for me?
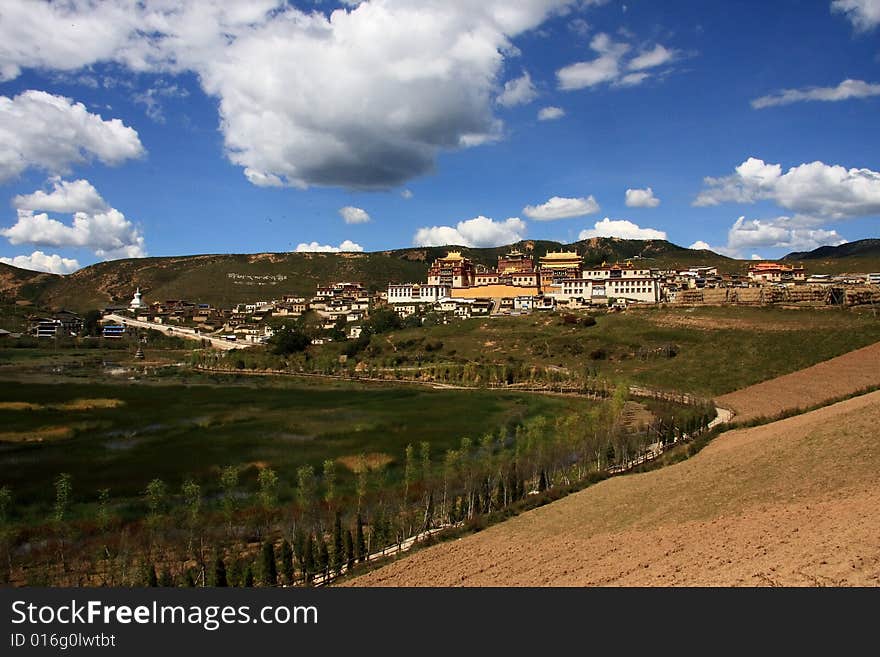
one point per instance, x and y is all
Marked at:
(773, 272)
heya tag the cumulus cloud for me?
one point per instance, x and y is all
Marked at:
(844, 91)
(789, 233)
(66, 196)
(353, 215)
(407, 194)
(381, 87)
(477, 232)
(550, 113)
(641, 198)
(39, 261)
(95, 226)
(519, 91)
(40, 130)
(863, 14)
(314, 247)
(623, 229)
(560, 207)
(612, 66)
(814, 189)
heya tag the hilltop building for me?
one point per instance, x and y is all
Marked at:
(452, 271)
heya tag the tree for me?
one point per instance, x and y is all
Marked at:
(349, 551)
(329, 483)
(63, 489)
(323, 556)
(165, 578)
(228, 483)
(309, 558)
(192, 504)
(409, 471)
(382, 320)
(360, 546)
(220, 572)
(268, 569)
(91, 322)
(306, 488)
(289, 340)
(156, 494)
(361, 484)
(248, 580)
(299, 546)
(287, 562)
(338, 557)
(267, 481)
(152, 579)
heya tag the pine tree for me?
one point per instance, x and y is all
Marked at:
(323, 556)
(360, 546)
(299, 546)
(268, 569)
(542, 482)
(165, 578)
(309, 558)
(349, 551)
(337, 558)
(248, 582)
(152, 580)
(220, 572)
(287, 562)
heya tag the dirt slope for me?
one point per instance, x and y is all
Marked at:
(830, 379)
(795, 502)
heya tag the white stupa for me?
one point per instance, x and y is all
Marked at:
(136, 303)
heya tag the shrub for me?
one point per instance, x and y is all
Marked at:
(598, 354)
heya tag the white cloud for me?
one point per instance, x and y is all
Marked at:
(604, 68)
(609, 65)
(657, 56)
(96, 225)
(863, 14)
(39, 130)
(641, 198)
(353, 215)
(519, 91)
(550, 113)
(622, 228)
(814, 189)
(755, 256)
(477, 232)
(67, 197)
(789, 233)
(407, 194)
(844, 91)
(39, 261)
(700, 245)
(314, 247)
(381, 88)
(562, 208)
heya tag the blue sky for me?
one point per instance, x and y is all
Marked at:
(243, 127)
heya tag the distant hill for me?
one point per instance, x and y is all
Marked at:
(225, 279)
(862, 256)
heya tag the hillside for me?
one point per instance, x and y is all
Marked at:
(227, 279)
(862, 256)
(791, 503)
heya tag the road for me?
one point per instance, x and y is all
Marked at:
(180, 332)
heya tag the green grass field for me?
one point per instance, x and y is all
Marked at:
(719, 349)
(179, 431)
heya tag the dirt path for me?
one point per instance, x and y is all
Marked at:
(830, 379)
(790, 503)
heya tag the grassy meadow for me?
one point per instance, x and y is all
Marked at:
(717, 349)
(121, 435)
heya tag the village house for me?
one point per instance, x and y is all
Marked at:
(772, 272)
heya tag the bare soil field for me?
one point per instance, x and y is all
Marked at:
(830, 379)
(790, 503)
